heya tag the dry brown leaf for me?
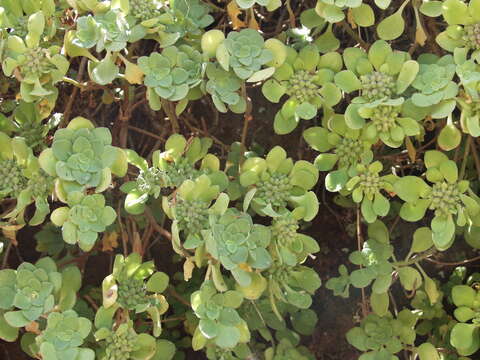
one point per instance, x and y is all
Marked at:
(351, 20)
(188, 267)
(33, 327)
(233, 13)
(109, 241)
(420, 36)
(10, 232)
(412, 152)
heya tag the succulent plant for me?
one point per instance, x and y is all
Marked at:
(26, 122)
(224, 88)
(383, 336)
(366, 188)
(83, 218)
(307, 78)
(245, 52)
(276, 182)
(239, 244)
(293, 285)
(123, 343)
(285, 350)
(30, 290)
(468, 99)
(446, 197)
(340, 147)
(289, 245)
(191, 207)
(389, 122)
(22, 178)
(380, 75)
(170, 169)
(333, 10)
(35, 64)
(81, 157)
(172, 74)
(434, 84)
(219, 320)
(463, 30)
(106, 31)
(134, 285)
(63, 337)
(465, 336)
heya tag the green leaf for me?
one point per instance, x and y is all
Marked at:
(410, 188)
(363, 15)
(380, 303)
(306, 111)
(103, 72)
(410, 278)
(392, 26)
(158, 282)
(449, 137)
(348, 81)
(422, 240)
(7, 332)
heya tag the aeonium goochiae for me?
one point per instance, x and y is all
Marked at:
(450, 198)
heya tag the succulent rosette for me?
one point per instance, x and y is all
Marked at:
(463, 30)
(384, 336)
(468, 100)
(121, 342)
(244, 51)
(238, 243)
(448, 197)
(134, 285)
(293, 285)
(219, 320)
(63, 337)
(287, 244)
(341, 147)
(82, 157)
(83, 218)
(366, 187)
(170, 168)
(190, 209)
(173, 74)
(224, 88)
(380, 75)
(34, 290)
(307, 77)
(38, 67)
(276, 182)
(465, 336)
(434, 87)
(23, 179)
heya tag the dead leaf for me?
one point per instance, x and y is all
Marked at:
(351, 20)
(133, 73)
(10, 232)
(109, 241)
(233, 13)
(188, 267)
(412, 152)
(33, 327)
(420, 36)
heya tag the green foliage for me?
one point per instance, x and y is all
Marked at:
(83, 218)
(63, 336)
(34, 290)
(219, 320)
(307, 78)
